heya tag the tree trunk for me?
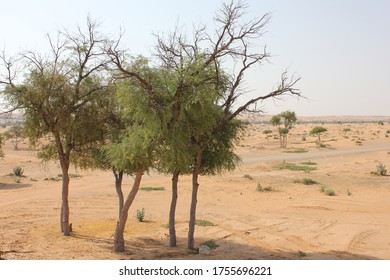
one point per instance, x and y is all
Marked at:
(118, 188)
(172, 211)
(119, 241)
(195, 186)
(65, 226)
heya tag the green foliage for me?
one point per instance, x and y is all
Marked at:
(211, 244)
(141, 215)
(305, 181)
(317, 131)
(302, 254)
(328, 191)
(297, 151)
(267, 131)
(203, 223)
(381, 170)
(18, 171)
(295, 167)
(148, 189)
(15, 134)
(17, 180)
(308, 163)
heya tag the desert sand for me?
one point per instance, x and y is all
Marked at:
(290, 221)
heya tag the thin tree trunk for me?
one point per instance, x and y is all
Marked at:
(118, 188)
(172, 211)
(195, 186)
(119, 241)
(65, 226)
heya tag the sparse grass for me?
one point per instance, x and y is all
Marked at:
(211, 244)
(18, 171)
(328, 191)
(297, 151)
(141, 215)
(308, 163)
(204, 223)
(247, 176)
(294, 167)
(148, 189)
(305, 181)
(33, 180)
(52, 179)
(71, 176)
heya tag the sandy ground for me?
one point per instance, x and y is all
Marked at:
(292, 221)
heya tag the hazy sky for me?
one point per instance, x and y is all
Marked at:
(340, 48)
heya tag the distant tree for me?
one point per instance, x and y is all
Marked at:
(288, 119)
(317, 131)
(15, 134)
(62, 99)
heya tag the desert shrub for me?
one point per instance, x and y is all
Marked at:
(247, 176)
(308, 163)
(267, 131)
(381, 170)
(17, 180)
(381, 123)
(141, 215)
(17, 171)
(148, 189)
(260, 188)
(297, 151)
(204, 223)
(294, 167)
(305, 181)
(211, 244)
(304, 138)
(349, 193)
(327, 190)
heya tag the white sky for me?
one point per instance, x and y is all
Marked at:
(340, 48)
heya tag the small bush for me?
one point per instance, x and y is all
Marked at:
(302, 254)
(247, 176)
(327, 190)
(349, 192)
(260, 188)
(308, 163)
(17, 171)
(141, 215)
(17, 180)
(211, 244)
(381, 170)
(204, 223)
(305, 181)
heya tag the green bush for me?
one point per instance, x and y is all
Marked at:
(17, 171)
(381, 170)
(204, 223)
(327, 190)
(141, 215)
(247, 176)
(305, 181)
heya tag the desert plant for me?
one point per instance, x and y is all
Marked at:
(305, 181)
(328, 191)
(141, 215)
(17, 180)
(17, 171)
(247, 176)
(294, 167)
(349, 193)
(259, 187)
(148, 189)
(296, 151)
(203, 223)
(317, 131)
(308, 163)
(211, 244)
(381, 170)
